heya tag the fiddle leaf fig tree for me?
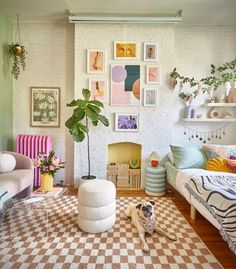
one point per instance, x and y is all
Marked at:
(85, 111)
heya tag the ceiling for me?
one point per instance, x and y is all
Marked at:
(195, 12)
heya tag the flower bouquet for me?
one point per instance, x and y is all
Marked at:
(48, 165)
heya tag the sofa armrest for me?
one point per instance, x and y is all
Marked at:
(22, 161)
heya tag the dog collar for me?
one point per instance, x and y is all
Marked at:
(147, 224)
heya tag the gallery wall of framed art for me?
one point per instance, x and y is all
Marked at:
(124, 75)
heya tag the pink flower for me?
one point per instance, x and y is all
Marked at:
(51, 167)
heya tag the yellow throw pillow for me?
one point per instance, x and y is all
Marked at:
(218, 164)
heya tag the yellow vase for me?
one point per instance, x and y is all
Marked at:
(46, 183)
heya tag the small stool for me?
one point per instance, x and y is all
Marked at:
(97, 206)
(155, 178)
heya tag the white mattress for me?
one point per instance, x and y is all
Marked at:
(182, 177)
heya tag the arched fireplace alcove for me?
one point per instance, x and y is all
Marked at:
(124, 164)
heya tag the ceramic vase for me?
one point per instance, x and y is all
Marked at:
(227, 88)
(46, 183)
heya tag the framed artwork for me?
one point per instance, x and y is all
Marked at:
(153, 74)
(150, 52)
(149, 97)
(125, 50)
(126, 122)
(125, 85)
(98, 88)
(96, 61)
(45, 107)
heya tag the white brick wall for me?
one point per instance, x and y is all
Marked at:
(49, 63)
(190, 49)
(56, 53)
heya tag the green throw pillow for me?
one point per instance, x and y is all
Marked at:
(188, 157)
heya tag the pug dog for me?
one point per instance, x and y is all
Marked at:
(143, 218)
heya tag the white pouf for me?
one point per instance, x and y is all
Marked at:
(7, 163)
(96, 193)
(97, 206)
(97, 226)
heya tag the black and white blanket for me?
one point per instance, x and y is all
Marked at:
(218, 194)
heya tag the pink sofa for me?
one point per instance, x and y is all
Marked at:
(19, 182)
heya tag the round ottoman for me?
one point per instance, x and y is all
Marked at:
(96, 206)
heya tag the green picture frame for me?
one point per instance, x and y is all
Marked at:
(45, 107)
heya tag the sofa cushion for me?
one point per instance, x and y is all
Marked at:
(218, 164)
(16, 181)
(7, 163)
(218, 151)
(188, 157)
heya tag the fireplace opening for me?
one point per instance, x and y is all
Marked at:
(124, 165)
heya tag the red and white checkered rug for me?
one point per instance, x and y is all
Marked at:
(68, 247)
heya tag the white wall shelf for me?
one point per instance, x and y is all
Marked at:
(221, 104)
(209, 120)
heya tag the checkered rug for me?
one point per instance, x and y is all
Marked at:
(68, 247)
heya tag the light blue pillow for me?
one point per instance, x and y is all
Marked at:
(188, 157)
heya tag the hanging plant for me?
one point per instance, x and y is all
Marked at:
(17, 52)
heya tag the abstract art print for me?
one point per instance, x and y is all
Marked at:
(150, 52)
(125, 50)
(125, 85)
(45, 107)
(149, 97)
(153, 74)
(126, 122)
(96, 61)
(98, 88)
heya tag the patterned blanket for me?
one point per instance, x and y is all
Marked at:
(218, 194)
(3, 198)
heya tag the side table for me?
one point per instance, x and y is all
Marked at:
(155, 180)
(30, 215)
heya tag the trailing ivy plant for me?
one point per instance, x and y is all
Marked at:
(219, 76)
(17, 52)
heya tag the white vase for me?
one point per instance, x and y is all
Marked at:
(227, 88)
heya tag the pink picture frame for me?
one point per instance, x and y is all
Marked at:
(153, 74)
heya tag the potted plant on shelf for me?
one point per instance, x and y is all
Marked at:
(17, 52)
(85, 111)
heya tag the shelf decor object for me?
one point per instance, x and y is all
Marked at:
(154, 158)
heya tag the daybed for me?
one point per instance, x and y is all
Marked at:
(191, 171)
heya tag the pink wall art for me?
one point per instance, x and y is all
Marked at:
(153, 74)
(125, 85)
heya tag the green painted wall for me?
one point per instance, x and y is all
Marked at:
(5, 84)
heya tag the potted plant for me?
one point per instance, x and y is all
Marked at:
(17, 52)
(85, 111)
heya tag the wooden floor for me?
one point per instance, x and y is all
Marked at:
(206, 231)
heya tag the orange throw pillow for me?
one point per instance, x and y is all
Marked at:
(218, 164)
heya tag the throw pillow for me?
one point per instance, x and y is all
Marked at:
(188, 157)
(219, 165)
(7, 163)
(232, 164)
(218, 151)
